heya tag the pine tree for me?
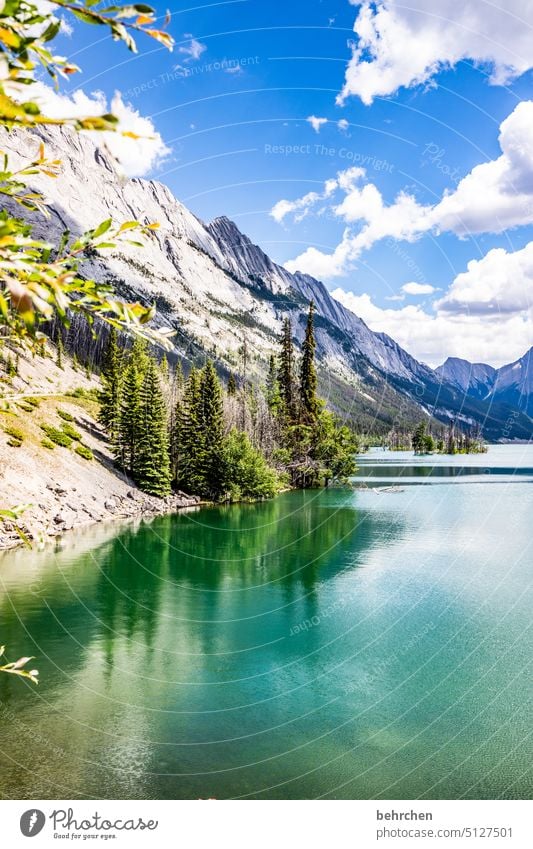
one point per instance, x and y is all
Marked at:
(286, 371)
(111, 386)
(128, 430)
(232, 385)
(212, 432)
(139, 353)
(189, 436)
(164, 369)
(419, 438)
(151, 462)
(178, 377)
(308, 380)
(273, 396)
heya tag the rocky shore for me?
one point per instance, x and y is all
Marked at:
(63, 510)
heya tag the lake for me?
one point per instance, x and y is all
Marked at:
(326, 644)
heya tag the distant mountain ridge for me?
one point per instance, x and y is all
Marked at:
(218, 290)
(510, 384)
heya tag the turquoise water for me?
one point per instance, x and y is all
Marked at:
(335, 644)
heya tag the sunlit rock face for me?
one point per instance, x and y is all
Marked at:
(218, 289)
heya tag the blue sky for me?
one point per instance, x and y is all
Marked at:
(421, 97)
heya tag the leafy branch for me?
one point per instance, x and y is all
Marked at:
(25, 34)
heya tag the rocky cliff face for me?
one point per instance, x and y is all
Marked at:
(217, 289)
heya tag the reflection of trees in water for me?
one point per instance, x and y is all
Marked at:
(290, 543)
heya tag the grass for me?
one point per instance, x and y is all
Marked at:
(67, 417)
(84, 452)
(47, 443)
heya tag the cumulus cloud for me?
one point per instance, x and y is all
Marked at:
(316, 123)
(500, 283)
(426, 336)
(485, 315)
(135, 156)
(402, 45)
(498, 194)
(492, 198)
(418, 288)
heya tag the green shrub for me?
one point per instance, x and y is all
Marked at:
(47, 443)
(247, 473)
(14, 443)
(71, 432)
(28, 408)
(67, 417)
(57, 436)
(15, 433)
(34, 402)
(80, 392)
(84, 452)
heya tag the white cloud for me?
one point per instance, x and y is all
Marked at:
(316, 123)
(303, 205)
(500, 283)
(493, 197)
(497, 194)
(193, 50)
(136, 156)
(485, 316)
(362, 205)
(402, 45)
(418, 288)
(343, 125)
(432, 337)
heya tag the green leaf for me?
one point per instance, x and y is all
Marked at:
(102, 228)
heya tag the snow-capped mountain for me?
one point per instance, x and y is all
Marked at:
(219, 290)
(511, 384)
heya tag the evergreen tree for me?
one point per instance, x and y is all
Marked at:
(128, 430)
(111, 386)
(164, 369)
(308, 380)
(75, 362)
(232, 385)
(151, 462)
(273, 396)
(212, 432)
(189, 437)
(286, 371)
(179, 378)
(419, 438)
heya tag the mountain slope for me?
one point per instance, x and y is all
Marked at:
(218, 290)
(511, 384)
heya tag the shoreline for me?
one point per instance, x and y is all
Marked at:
(44, 529)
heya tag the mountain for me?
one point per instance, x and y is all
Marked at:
(220, 293)
(511, 384)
